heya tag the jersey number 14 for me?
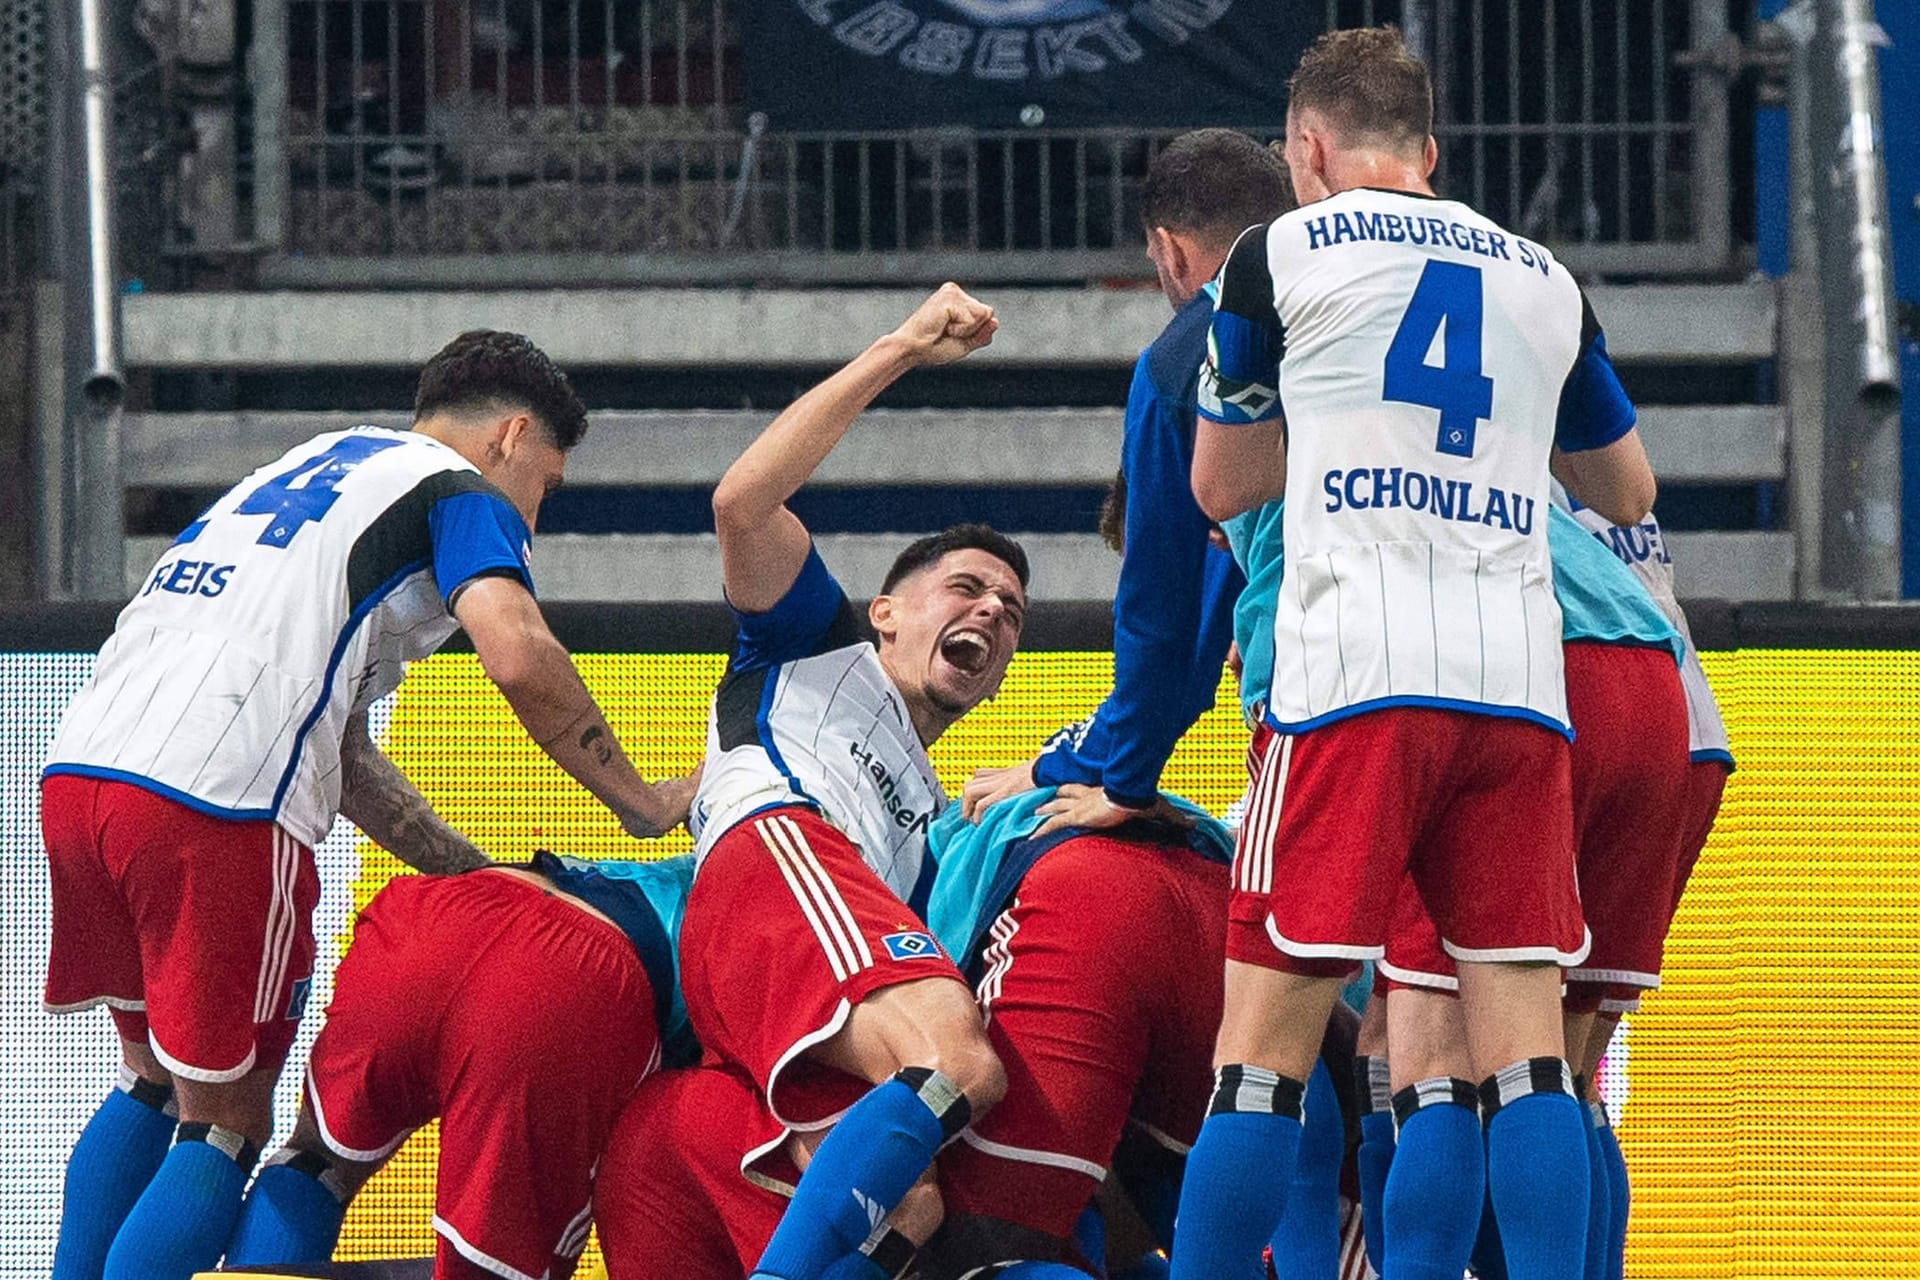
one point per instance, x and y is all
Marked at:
(1449, 293)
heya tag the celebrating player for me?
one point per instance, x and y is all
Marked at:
(1643, 549)
(1428, 363)
(466, 997)
(1104, 1028)
(803, 962)
(225, 724)
(1172, 614)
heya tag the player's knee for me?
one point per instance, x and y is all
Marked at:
(970, 1062)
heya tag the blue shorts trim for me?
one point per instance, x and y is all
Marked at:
(1431, 704)
(160, 789)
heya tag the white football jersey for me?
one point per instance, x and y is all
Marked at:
(807, 715)
(1643, 549)
(1427, 362)
(293, 602)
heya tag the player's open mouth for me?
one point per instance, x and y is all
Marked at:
(968, 651)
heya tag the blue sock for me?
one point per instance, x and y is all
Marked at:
(1308, 1241)
(1599, 1200)
(183, 1220)
(1433, 1196)
(1619, 1196)
(118, 1152)
(1537, 1169)
(1238, 1175)
(855, 1266)
(1375, 1158)
(874, 1154)
(1489, 1259)
(290, 1215)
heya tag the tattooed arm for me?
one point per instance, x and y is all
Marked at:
(534, 671)
(377, 798)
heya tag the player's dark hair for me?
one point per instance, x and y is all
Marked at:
(1214, 184)
(1368, 85)
(1113, 513)
(484, 368)
(960, 537)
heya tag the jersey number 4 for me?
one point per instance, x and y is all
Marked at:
(302, 494)
(1449, 294)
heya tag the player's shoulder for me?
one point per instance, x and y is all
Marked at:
(1173, 359)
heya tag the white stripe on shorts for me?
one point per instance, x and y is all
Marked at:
(999, 958)
(277, 941)
(820, 901)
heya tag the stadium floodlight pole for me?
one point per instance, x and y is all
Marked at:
(1863, 462)
(94, 376)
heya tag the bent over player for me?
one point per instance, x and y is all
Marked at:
(1426, 363)
(520, 1005)
(804, 962)
(225, 724)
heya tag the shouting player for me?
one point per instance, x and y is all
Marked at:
(1428, 365)
(804, 962)
(225, 724)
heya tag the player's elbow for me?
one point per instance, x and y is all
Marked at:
(1223, 497)
(736, 505)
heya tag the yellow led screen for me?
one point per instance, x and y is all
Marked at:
(1770, 1091)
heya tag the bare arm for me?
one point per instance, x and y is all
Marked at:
(1237, 468)
(533, 670)
(762, 544)
(1614, 480)
(378, 798)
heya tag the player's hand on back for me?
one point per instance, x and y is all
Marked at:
(949, 326)
(991, 786)
(672, 799)
(1078, 806)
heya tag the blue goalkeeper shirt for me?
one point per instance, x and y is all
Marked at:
(1173, 612)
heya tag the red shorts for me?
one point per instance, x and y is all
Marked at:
(1706, 784)
(520, 1020)
(1630, 780)
(786, 893)
(1475, 807)
(1098, 1026)
(671, 1197)
(197, 931)
(1414, 956)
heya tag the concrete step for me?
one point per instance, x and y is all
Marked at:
(1721, 444)
(665, 328)
(678, 568)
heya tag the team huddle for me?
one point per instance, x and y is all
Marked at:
(1066, 1024)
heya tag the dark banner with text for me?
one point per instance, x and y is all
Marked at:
(914, 64)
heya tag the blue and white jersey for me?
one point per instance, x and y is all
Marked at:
(293, 602)
(1425, 362)
(1643, 549)
(1599, 600)
(805, 714)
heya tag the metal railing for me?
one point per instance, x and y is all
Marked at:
(525, 141)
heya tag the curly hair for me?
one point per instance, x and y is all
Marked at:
(485, 368)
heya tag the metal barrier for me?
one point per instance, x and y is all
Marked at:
(557, 141)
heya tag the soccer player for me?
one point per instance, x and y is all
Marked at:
(226, 722)
(520, 1005)
(1172, 613)
(1429, 364)
(1104, 1031)
(1643, 549)
(1629, 779)
(803, 960)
